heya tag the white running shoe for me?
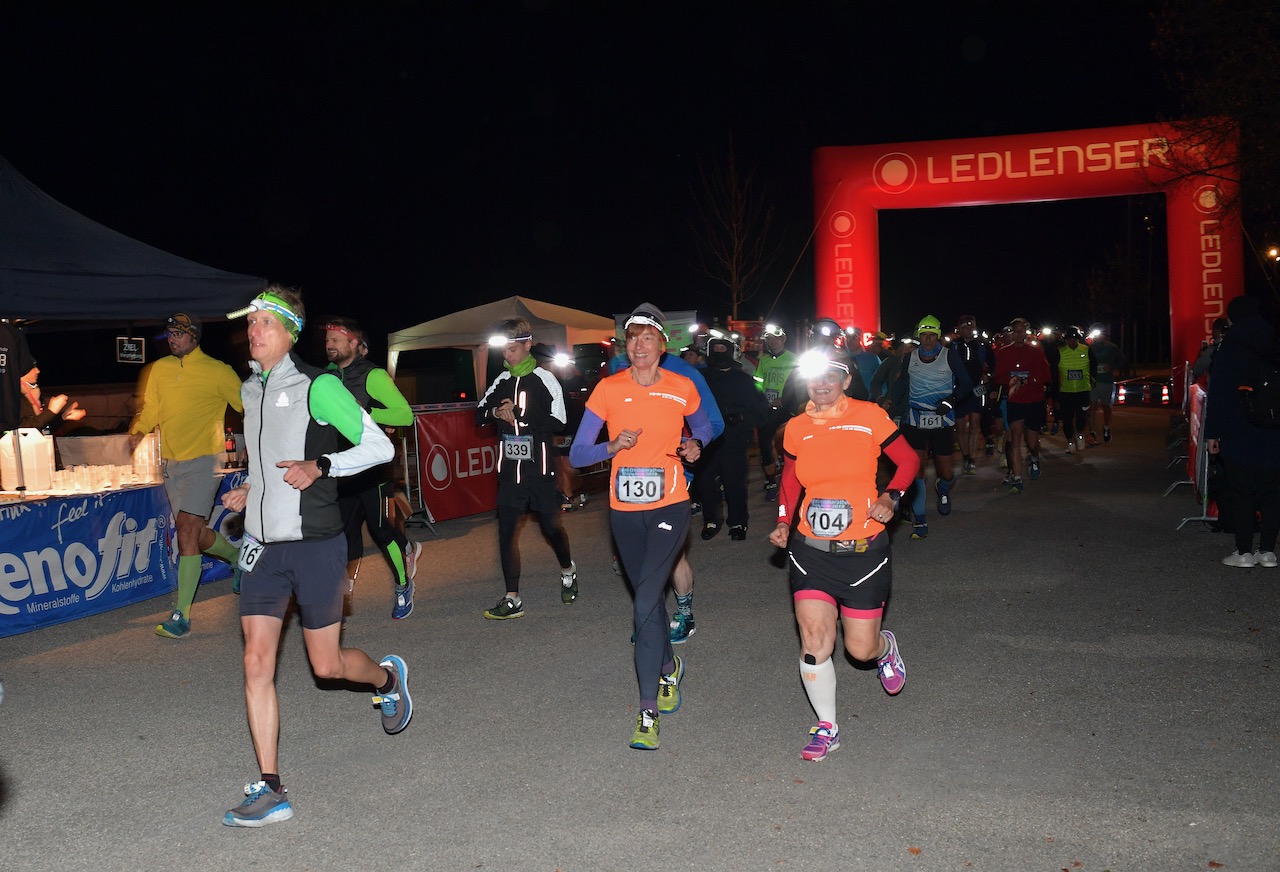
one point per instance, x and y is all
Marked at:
(1266, 558)
(1235, 558)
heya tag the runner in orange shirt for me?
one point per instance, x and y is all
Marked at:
(839, 551)
(645, 408)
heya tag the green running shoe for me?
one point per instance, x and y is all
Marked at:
(645, 738)
(506, 609)
(669, 688)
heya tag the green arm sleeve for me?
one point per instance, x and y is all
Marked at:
(331, 403)
(382, 389)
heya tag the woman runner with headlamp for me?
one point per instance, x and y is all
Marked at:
(839, 551)
(645, 408)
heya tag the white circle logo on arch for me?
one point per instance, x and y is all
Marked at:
(895, 173)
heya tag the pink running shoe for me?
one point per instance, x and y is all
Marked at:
(823, 739)
(892, 671)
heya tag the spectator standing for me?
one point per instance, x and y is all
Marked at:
(1250, 454)
(1110, 363)
(724, 461)
(186, 396)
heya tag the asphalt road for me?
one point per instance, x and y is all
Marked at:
(1088, 688)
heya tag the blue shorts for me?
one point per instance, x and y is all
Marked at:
(312, 570)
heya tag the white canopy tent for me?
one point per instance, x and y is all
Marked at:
(553, 325)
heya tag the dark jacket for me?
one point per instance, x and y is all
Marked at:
(742, 406)
(526, 451)
(1239, 440)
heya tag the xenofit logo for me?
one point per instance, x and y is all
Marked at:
(30, 574)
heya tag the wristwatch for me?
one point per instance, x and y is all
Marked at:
(324, 464)
(894, 495)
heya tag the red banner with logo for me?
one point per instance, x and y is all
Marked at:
(457, 461)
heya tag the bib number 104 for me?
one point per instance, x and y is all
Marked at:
(828, 518)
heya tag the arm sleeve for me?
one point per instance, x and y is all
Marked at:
(584, 450)
(700, 424)
(906, 460)
(396, 411)
(789, 491)
(331, 403)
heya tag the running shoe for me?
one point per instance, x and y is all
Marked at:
(971, 467)
(403, 606)
(1106, 434)
(695, 507)
(669, 688)
(1071, 447)
(235, 580)
(412, 553)
(738, 532)
(566, 503)
(771, 492)
(1235, 558)
(990, 447)
(175, 628)
(893, 672)
(396, 706)
(1080, 443)
(1008, 479)
(1016, 486)
(823, 739)
(617, 567)
(1266, 558)
(582, 500)
(261, 806)
(506, 609)
(709, 530)
(569, 584)
(920, 531)
(1092, 438)
(944, 496)
(645, 738)
(1035, 467)
(682, 627)
(1054, 432)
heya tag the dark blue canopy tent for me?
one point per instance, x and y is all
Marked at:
(57, 264)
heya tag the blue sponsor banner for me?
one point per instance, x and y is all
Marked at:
(63, 558)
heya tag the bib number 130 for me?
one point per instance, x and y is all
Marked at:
(639, 484)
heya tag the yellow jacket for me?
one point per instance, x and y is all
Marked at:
(187, 398)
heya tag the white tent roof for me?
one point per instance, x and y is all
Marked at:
(553, 325)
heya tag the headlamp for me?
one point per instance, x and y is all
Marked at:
(500, 340)
(814, 364)
(269, 302)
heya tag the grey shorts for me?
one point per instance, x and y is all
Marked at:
(191, 484)
(1103, 392)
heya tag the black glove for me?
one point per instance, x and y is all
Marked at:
(946, 407)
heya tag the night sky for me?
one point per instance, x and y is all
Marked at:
(401, 160)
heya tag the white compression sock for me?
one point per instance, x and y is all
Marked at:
(820, 685)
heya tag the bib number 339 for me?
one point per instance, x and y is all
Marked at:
(639, 484)
(517, 447)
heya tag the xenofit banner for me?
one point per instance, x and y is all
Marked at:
(852, 184)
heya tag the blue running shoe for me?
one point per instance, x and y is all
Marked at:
(1035, 467)
(261, 806)
(920, 531)
(235, 581)
(397, 705)
(682, 627)
(944, 495)
(403, 606)
(175, 628)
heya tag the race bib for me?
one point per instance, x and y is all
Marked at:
(639, 484)
(250, 550)
(517, 447)
(828, 518)
(929, 421)
(1104, 367)
(771, 395)
(1075, 375)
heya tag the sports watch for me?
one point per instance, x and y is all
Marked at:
(324, 464)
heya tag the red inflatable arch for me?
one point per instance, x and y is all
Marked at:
(852, 184)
